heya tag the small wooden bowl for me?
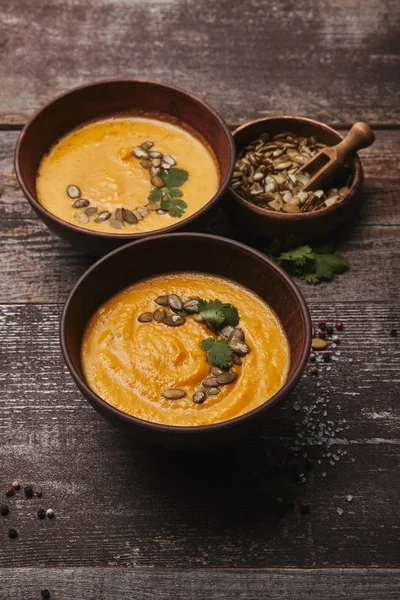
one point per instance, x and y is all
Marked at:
(112, 98)
(185, 252)
(304, 226)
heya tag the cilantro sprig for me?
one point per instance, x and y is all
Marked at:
(170, 196)
(313, 265)
(218, 352)
(218, 314)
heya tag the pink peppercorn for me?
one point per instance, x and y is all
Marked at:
(339, 325)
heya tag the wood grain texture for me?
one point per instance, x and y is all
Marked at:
(332, 61)
(121, 504)
(37, 267)
(202, 584)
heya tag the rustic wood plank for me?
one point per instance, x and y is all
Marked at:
(119, 503)
(202, 584)
(333, 61)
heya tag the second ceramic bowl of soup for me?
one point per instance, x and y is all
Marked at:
(123, 364)
(90, 162)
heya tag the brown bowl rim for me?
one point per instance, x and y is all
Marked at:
(357, 178)
(42, 211)
(196, 429)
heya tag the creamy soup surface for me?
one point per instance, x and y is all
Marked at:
(97, 158)
(129, 364)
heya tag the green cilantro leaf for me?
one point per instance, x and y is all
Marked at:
(219, 353)
(155, 195)
(212, 311)
(174, 177)
(174, 192)
(298, 255)
(326, 265)
(207, 344)
(175, 207)
(231, 315)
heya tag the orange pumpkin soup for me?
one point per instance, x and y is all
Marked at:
(127, 175)
(131, 364)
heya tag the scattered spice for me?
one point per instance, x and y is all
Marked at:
(41, 513)
(50, 513)
(393, 332)
(39, 492)
(266, 175)
(304, 508)
(326, 356)
(12, 533)
(45, 594)
(4, 510)
(339, 325)
(28, 489)
(9, 491)
(16, 485)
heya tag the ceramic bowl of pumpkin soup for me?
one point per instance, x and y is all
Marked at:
(118, 160)
(185, 339)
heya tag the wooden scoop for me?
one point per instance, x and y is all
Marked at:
(323, 166)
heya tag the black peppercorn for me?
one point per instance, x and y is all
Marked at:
(41, 513)
(308, 464)
(393, 332)
(4, 510)
(329, 330)
(45, 594)
(28, 491)
(12, 533)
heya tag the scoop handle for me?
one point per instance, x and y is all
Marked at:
(359, 136)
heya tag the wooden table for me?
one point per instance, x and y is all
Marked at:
(136, 522)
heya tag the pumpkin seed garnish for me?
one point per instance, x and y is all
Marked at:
(81, 218)
(191, 305)
(226, 378)
(174, 394)
(175, 302)
(147, 145)
(157, 181)
(159, 315)
(129, 217)
(116, 223)
(214, 391)
(162, 300)
(80, 203)
(92, 210)
(210, 382)
(103, 216)
(119, 215)
(174, 321)
(145, 317)
(199, 397)
(73, 191)
(139, 152)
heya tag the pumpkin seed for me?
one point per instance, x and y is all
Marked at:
(73, 191)
(241, 348)
(199, 397)
(145, 317)
(319, 344)
(210, 382)
(92, 210)
(129, 217)
(116, 224)
(213, 391)
(143, 211)
(198, 318)
(227, 331)
(155, 154)
(175, 302)
(103, 216)
(146, 163)
(156, 162)
(226, 378)
(157, 182)
(154, 171)
(165, 165)
(81, 218)
(216, 371)
(237, 334)
(162, 300)
(159, 315)
(137, 214)
(174, 394)
(139, 152)
(152, 206)
(118, 215)
(236, 359)
(174, 320)
(169, 160)
(191, 305)
(147, 145)
(160, 211)
(80, 203)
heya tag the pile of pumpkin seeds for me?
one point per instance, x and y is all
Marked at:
(210, 386)
(265, 174)
(151, 159)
